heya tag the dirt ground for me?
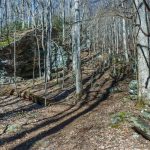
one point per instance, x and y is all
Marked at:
(85, 125)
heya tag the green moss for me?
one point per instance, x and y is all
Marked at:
(115, 126)
(140, 104)
(118, 118)
(6, 42)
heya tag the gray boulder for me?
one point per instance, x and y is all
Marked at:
(133, 87)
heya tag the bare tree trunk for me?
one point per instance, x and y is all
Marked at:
(48, 51)
(63, 20)
(125, 41)
(143, 51)
(15, 61)
(76, 50)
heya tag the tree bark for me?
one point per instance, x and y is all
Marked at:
(76, 49)
(143, 51)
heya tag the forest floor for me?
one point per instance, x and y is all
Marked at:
(85, 125)
(69, 124)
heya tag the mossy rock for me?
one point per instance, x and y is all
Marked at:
(13, 128)
(133, 86)
(118, 118)
(133, 97)
(115, 90)
(141, 126)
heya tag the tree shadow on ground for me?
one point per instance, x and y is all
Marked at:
(88, 59)
(12, 102)
(26, 108)
(49, 120)
(95, 94)
(6, 100)
(30, 142)
(1, 99)
(64, 94)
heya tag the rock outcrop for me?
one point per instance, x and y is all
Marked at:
(26, 49)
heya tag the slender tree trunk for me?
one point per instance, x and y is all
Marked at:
(76, 50)
(15, 61)
(125, 41)
(48, 56)
(63, 20)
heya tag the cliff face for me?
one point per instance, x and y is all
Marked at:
(26, 49)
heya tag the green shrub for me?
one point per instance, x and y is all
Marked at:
(6, 42)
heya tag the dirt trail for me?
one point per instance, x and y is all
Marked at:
(64, 126)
